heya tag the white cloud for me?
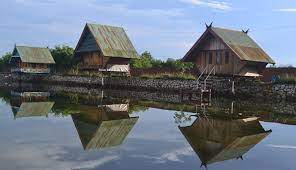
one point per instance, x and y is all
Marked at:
(283, 146)
(173, 156)
(96, 163)
(125, 10)
(286, 10)
(220, 5)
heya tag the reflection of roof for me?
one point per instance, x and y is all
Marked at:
(32, 109)
(239, 42)
(34, 55)
(216, 140)
(112, 41)
(101, 129)
(117, 108)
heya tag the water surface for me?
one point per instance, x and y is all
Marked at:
(63, 131)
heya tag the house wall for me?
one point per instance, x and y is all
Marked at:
(18, 66)
(95, 60)
(91, 59)
(214, 53)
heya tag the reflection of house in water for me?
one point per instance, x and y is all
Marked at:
(103, 127)
(30, 104)
(216, 140)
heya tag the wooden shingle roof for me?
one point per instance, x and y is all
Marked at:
(33, 55)
(111, 41)
(216, 140)
(239, 42)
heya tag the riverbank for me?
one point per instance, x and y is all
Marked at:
(282, 112)
(238, 87)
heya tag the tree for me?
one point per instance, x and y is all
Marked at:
(63, 56)
(145, 61)
(4, 62)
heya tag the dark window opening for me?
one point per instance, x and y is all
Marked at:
(218, 58)
(210, 55)
(227, 57)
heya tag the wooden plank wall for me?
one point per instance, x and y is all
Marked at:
(88, 43)
(214, 46)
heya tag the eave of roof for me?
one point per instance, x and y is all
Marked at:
(111, 41)
(36, 55)
(239, 42)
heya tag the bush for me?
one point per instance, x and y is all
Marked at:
(289, 80)
(147, 61)
(173, 76)
(63, 56)
(4, 62)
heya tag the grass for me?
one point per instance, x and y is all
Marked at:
(289, 80)
(170, 76)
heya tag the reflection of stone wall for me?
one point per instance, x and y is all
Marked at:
(244, 87)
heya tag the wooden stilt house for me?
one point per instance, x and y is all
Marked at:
(228, 52)
(105, 49)
(31, 60)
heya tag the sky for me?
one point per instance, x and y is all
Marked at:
(166, 28)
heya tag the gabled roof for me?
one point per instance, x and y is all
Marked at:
(111, 41)
(216, 140)
(238, 41)
(33, 109)
(33, 55)
(102, 127)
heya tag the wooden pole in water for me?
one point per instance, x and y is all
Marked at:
(232, 88)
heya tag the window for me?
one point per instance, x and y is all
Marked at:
(210, 56)
(226, 57)
(218, 58)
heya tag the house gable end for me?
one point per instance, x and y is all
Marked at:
(208, 41)
(15, 52)
(87, 42)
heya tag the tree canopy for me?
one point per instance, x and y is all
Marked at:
(4, 62)
(63, 56)
(146, 60)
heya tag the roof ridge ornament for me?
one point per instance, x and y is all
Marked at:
(209, 26)
(246, 32)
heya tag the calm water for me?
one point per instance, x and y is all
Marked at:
(66, 131)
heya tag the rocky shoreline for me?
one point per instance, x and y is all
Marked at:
(243, 87)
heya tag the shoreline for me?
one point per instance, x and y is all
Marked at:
(245, 88)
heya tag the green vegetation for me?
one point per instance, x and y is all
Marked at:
(285, 80)
(4, 62)
(171, 76)
(147, 61)
(63, 56)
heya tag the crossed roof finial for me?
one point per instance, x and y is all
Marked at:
(246, 32)
(209, 26)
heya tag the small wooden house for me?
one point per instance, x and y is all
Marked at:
(104, 48)
(228, 52)
(31, 60)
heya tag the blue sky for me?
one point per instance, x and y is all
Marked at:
(166, 28)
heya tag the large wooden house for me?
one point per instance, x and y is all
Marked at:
(31, 60)
(228, 52)
(104, 48)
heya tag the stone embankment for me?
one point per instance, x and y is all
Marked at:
(223, 86)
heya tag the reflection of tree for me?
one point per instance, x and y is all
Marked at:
(181, 117)
(137, 108)
(5, 96)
